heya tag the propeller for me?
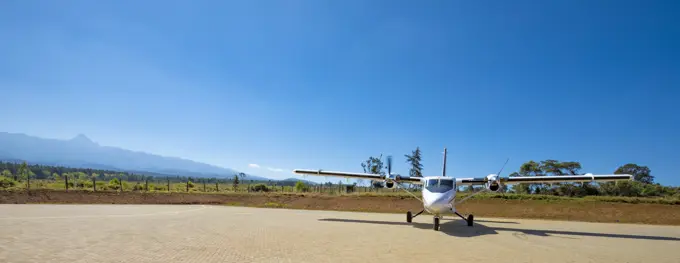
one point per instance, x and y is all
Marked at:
(499, 172)
(389, 165)
(498, 175)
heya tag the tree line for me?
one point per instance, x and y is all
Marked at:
(643, 184)
(20, 171)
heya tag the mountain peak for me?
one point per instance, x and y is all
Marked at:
(82, 139)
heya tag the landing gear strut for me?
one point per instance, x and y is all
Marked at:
(470, 219)
(436, 224)
(410, 217)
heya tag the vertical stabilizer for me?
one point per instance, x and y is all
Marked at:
(444, 169)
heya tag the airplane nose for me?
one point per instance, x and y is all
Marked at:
(437, 204)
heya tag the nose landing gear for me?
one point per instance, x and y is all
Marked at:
(409, 218)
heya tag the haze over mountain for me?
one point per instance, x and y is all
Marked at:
(82, 152)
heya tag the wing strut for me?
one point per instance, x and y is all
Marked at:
(414, 196)
(468, 197)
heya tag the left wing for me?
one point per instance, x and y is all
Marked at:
(548, 179)
(372, 177)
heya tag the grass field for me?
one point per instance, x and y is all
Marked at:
(589, 209)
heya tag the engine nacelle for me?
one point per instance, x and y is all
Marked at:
(493, 183)
(391, 180)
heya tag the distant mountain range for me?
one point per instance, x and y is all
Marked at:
(81, 152)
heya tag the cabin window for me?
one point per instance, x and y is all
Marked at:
(439, 185)
(432, 182)
(446, 183)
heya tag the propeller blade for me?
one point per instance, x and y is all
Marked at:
(506, 162)
(499, 175)
(389, 164)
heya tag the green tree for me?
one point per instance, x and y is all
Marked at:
(640, 173)
(20, 172)
(532, 168)
(547, 167)
(300, 186)
(235, 182)
(414, 160)
(557, 168)
(25, 174)
(572, 168)
(374, 166)
(520, 188)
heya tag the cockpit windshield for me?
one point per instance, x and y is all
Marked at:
(440, 185)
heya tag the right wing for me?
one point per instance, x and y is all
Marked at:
(372, 177)
(568, 178)
(548, 179)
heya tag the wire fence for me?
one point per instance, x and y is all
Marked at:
(190, 186)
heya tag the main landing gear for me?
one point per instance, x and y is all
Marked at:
(470, 218)
(409, 218)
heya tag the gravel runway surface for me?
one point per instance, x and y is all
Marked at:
(203, 233)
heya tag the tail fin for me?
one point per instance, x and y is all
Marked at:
(444, 169)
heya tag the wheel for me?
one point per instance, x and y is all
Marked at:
(470, 219)
(409, 216)
(436, 224)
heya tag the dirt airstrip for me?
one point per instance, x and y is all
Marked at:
(659, 214)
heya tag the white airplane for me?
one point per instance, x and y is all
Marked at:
(439, 192)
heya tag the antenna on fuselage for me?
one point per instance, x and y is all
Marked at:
(444, 169)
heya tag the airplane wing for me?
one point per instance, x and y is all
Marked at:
(549, 179)
(372, 177)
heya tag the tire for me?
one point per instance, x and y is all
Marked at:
(436, 224)
(470, 220)
(409, 217)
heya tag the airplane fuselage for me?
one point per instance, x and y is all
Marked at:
(438, 194)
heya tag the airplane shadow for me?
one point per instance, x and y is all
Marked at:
(458, 228)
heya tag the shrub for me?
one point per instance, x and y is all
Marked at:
(138, 187)
(114, 184)
(301, 187)
(7, 182)
(260, 188)
(102, 186)
(84, 184)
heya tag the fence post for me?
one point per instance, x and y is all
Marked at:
(217, 186)
(187, 185)
(146, 184)
(203, 185)
(120, 184)
(66, 182)
(168, 179)
(94, 184)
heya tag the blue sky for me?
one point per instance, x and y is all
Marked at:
(326, 84)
